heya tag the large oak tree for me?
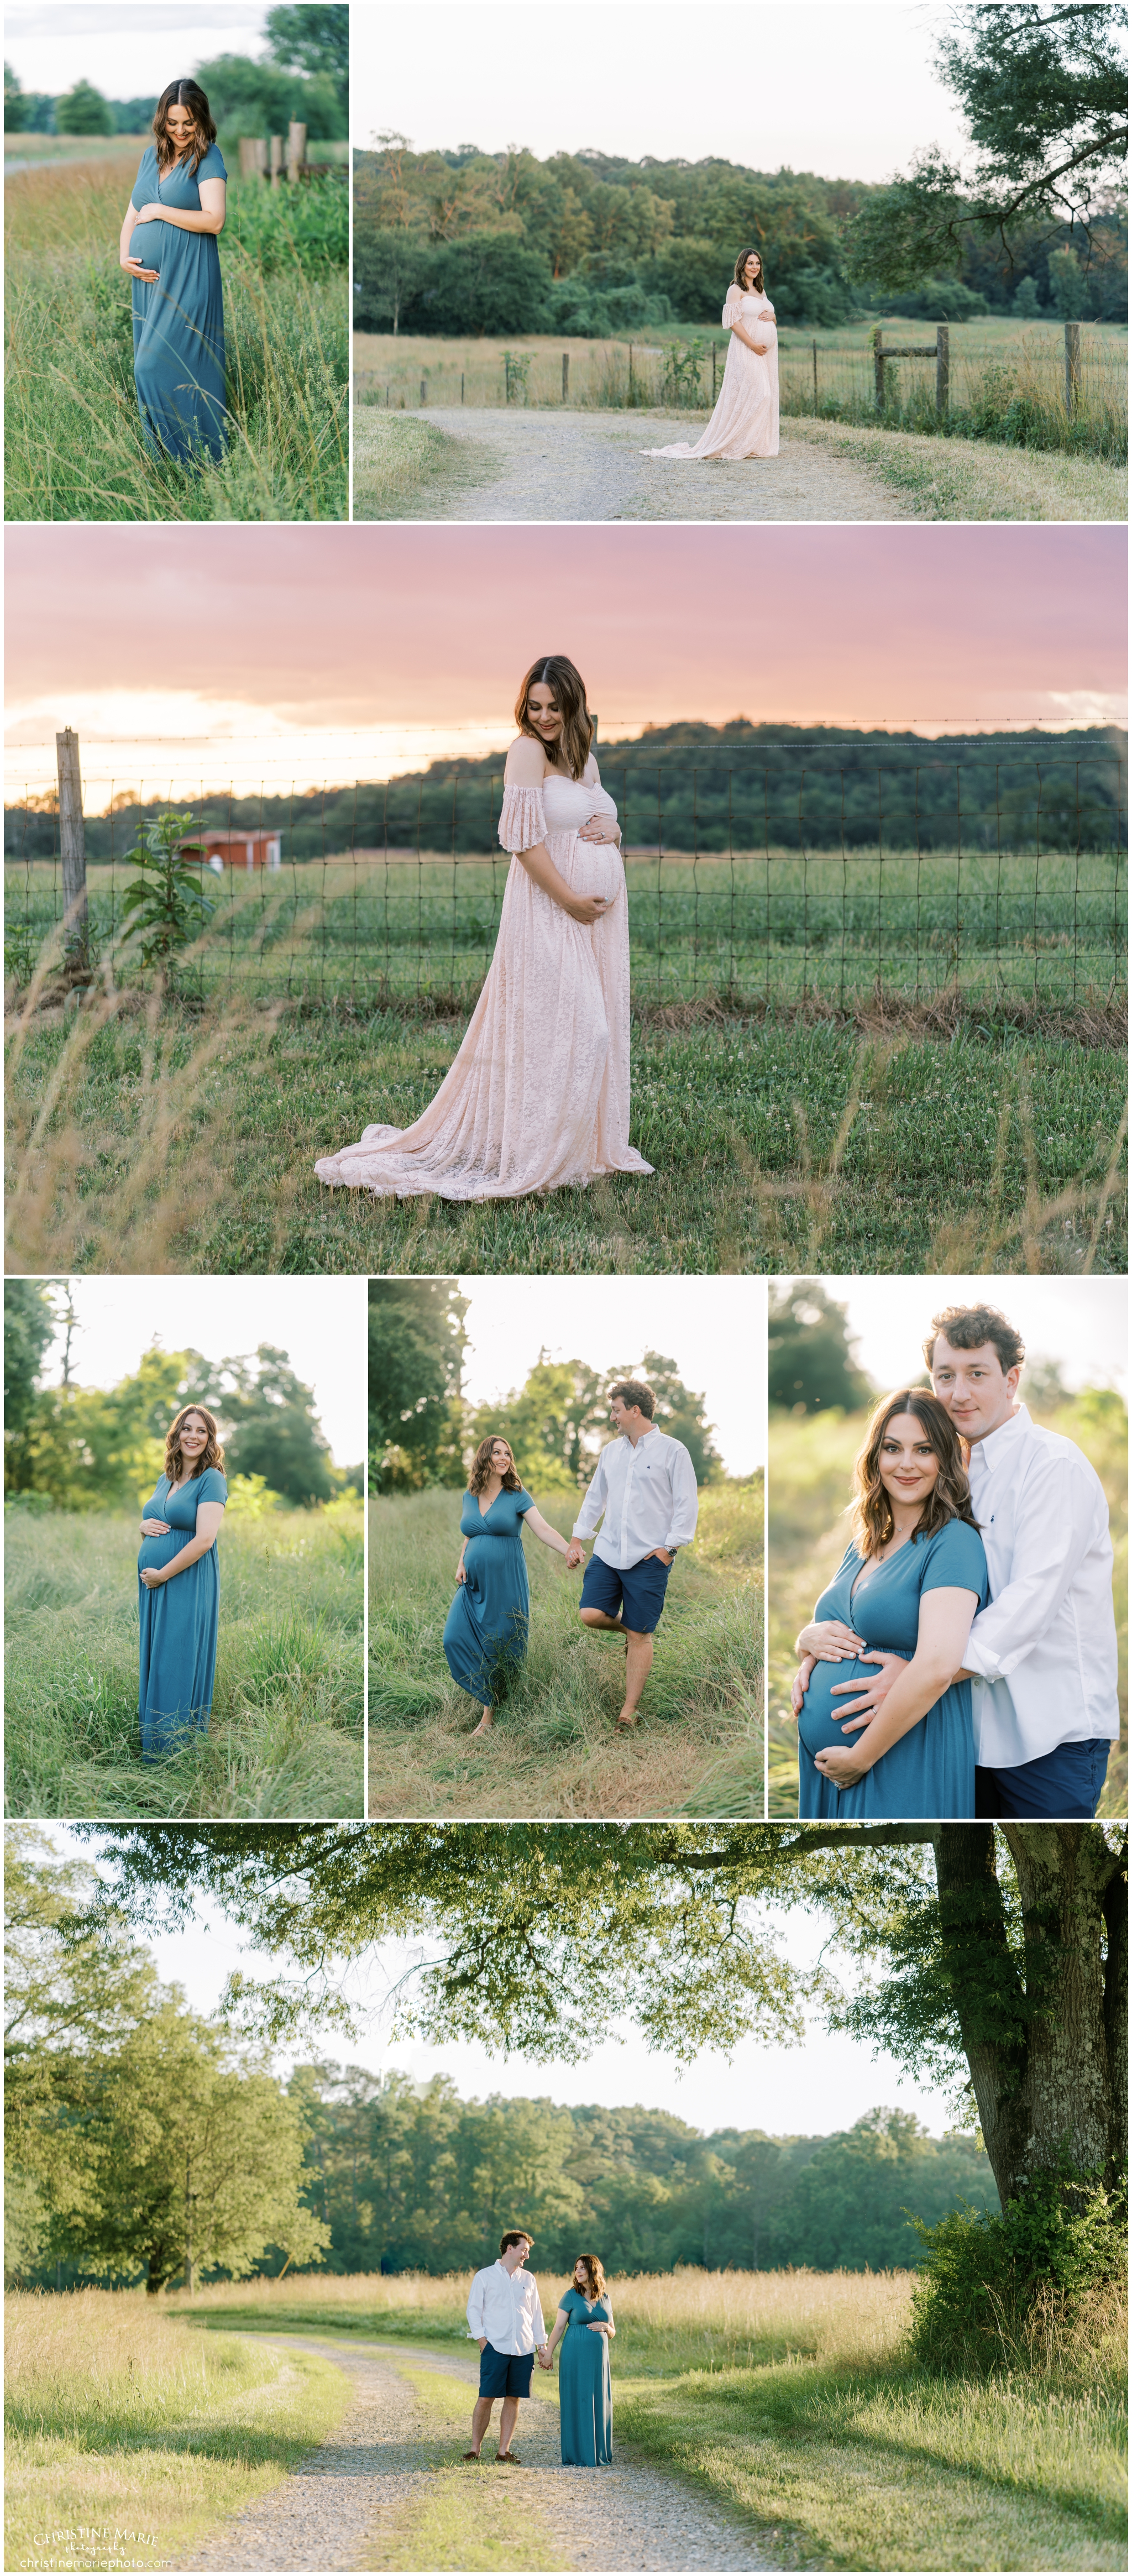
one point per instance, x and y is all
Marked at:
(999, 1953)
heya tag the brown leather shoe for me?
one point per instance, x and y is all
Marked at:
(470, 2455)
(508, 2460)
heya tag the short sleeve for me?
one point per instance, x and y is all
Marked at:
(524, 1502)
(139, 193)
(212, 166)
(956, 1556)
(213, 1487)
(522, 818)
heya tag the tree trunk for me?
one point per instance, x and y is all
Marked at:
(1045, 2052)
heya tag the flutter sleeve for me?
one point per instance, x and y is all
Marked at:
(731, 307)
(522, 818)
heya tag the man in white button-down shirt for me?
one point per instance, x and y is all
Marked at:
(505, 2319)
(1041, 1658)
(644, 1492)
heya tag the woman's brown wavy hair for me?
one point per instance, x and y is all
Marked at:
(175, 1460)
(594, 2274)
(740, 265)
(555, 672)
(183, 93)
(481, 1467)
(950, 1497)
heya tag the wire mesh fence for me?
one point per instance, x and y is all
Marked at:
(756, 880)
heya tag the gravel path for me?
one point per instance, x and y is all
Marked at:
(353, 2492)
(588, 465)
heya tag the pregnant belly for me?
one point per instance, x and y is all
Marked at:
(819, 1724)
(593, 867)
(147, 241)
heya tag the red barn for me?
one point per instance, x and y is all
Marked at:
(220, 850)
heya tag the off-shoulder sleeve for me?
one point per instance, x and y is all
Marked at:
(733, 297)
(522, 819)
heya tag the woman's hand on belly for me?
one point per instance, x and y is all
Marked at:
(840, 1767)
(829, 1641)
(151, 1576)
(145, 246)
(872, 1689)
(155, 1529)
(600, 827)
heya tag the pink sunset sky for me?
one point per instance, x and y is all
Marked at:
(311, 653)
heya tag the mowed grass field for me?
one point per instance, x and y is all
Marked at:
(74, 446)
(809, 1120)
(285, 1737)
(554, 1748)
(809, 1485)
(790, 2397)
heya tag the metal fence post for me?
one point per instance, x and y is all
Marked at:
(424, 389)
(878, 371)
(72, 850)
(565, 375)
(942, 369)
(1072, 367)
(713, 375)
(815, 379)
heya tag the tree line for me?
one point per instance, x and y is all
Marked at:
(145, 2141)
(100, 1448)
(422, 1430)
(592, 243)
(689, 785)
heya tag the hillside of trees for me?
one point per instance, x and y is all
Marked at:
(302, 74)
(590, 243)
(711, 786)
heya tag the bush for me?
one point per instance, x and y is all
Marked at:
(488, 283)
(84, 111)
(941, 299)
(307, 225)
(997, 2287)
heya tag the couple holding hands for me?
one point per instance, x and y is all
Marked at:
(644, 1493)
(972, 1611)
(505, 2319)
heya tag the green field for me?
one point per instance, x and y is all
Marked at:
(810, 1480)
(553, 1751)
(945, 1141)
(129, 2432)
(790, 2398)
(74, 446)
(286, 1732)
(756, 927)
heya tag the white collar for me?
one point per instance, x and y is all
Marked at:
(987, 1450)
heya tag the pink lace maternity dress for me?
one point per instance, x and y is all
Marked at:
(745, 419)
(538, 1095)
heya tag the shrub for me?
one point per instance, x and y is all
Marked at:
(998, 2287)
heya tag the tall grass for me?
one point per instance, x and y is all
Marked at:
(810, 1476)
(285, 1737)
(129, 2436)
(699, 1748)
(74, 443)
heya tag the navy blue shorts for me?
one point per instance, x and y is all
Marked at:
(1065, 1783)
(636, 1595)
(505, 2374)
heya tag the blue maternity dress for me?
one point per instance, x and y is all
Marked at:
(179, 321)
(178, 1620)
(931, 1771)
(585, 2398)
(485, 1633)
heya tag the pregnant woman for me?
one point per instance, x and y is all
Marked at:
(909, 1585)
(745, 419)
(485, 1633)
(584, 2327)
(538, 1095)
(179, 1586)
(169, 248)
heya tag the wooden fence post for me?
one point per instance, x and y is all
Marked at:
(1072, 367)
(565, 375)
(424, 391)
(713, 375)
(942, 369)
(72, 850)
(878, 371)
(296, 150)
(815, 380)
(249, 157)
(276, 159)
(630, 375)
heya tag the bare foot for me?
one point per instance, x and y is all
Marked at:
(627, 1717)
